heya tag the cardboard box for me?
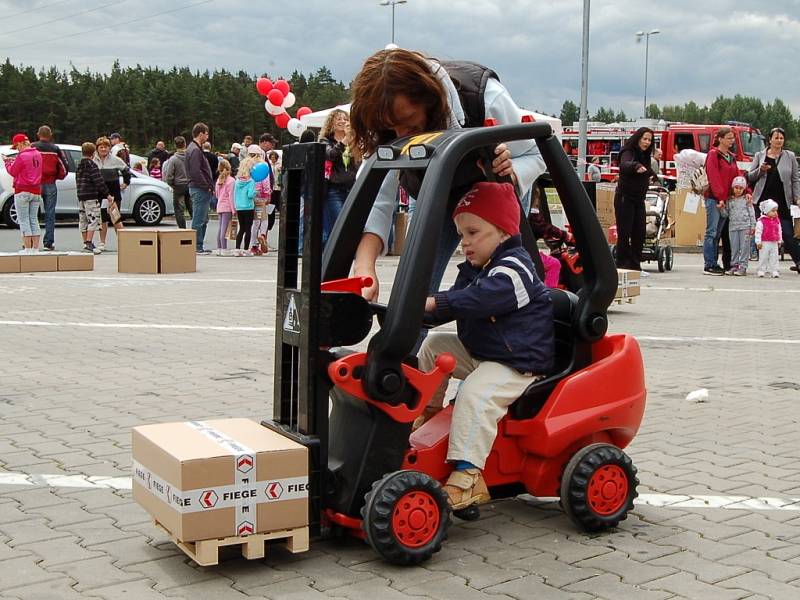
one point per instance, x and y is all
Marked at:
(628, 284)
(400, 230)
(176, 251)
(76, 261)
(212, 479)
(137, 250)
(604, 204)
(37, 263)
(690, 228)
(9, 262)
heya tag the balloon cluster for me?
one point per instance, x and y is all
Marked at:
(280, 97)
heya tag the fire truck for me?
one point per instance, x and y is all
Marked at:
(605, 142)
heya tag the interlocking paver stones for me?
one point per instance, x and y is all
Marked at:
(325, 572)
(401, 578)
(374, 588)
(141, 589)
(631, 571)
(532, 586)
(58, 589)
(478, 573)
(30, 530)
(94, 572)
(216, 589)
(705, 570)
(710, 549)
(755, 560)
(452, 587)
(23, 571)
(758, 583)
(610, 587)
(171, 572)
(293, 589)
(60, 550)
(688, 586)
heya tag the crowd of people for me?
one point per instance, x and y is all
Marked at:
(201, 181)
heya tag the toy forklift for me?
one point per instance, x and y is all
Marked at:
(370, 476)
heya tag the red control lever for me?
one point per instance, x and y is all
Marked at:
(342, 373)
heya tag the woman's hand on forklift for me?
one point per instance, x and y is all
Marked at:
(502, 165)
(367, 253)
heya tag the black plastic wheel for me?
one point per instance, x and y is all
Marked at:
(471, 513)
(598, 487)
(660, 259)
(668, 258)
(614, 252)
(405, 517)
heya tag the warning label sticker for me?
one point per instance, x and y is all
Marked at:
(291, 319)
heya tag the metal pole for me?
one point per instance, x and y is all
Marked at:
(393, 5)
(584, 112)
(646, 60)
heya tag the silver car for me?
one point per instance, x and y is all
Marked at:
(147, 200)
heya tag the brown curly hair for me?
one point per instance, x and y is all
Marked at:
(384, 76)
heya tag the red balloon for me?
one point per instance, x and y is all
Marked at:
(282, 120)
(303, 111)
(283, 86)
(263, 85)
(275, 96)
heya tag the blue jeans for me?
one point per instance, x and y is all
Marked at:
(201, 201)
(49, 198)
(331, 207)
(27, 207)
(714, 224)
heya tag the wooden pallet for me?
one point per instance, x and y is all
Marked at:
(206, 552)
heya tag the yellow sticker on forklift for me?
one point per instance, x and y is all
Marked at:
(418, 140)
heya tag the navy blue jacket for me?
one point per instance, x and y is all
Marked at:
(503, 311)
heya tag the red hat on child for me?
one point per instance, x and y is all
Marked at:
(18, 139)
(495, 203)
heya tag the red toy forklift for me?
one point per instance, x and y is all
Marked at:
(370, 476)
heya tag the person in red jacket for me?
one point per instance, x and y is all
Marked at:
(27, 173)
(721, 169)
(54, 168)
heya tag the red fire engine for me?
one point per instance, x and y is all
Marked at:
(605, 141)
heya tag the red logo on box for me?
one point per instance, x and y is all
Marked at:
(246, 528)
(245, 463)
(274, 490)
(208, 499)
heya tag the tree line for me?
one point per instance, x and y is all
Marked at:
(745, 109)
(146, 104)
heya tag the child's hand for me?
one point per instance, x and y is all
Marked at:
(430, 304)
(759, 246)
(751, 232)
(720, 204)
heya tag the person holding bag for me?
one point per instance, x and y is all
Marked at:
(776, 176)
(111, 168)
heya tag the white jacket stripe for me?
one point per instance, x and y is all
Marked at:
(520, 264)
(519, 287)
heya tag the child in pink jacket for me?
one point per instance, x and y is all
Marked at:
(224, 193)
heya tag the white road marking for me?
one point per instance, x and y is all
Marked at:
(122, 306)
(655, 500)
(38, 277)
(713, 289)
(136, 326)
(684, 339)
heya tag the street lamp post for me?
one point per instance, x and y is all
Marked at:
(646, 36)
(584, 113)
(392, 3)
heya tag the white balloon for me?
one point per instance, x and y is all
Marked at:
(295, 127)
(272, 109)
(289, 100)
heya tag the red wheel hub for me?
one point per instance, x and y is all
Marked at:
(415, 520)
(608, 490)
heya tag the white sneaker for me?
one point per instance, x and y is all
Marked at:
(761, 273)
(644, 274)
(101, 246)
(775, 274)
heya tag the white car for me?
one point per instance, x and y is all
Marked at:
(147, 200)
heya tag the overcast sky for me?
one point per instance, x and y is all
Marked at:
(705, 48)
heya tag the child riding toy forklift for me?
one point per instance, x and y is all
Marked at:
(370, 476)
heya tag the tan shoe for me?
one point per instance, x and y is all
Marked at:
(465, 488)
(427, 415)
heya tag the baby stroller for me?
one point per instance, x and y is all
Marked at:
(658, 230)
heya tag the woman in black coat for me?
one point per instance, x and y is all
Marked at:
(635, 171)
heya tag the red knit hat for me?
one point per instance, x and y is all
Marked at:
(18, 139)
(495, 203)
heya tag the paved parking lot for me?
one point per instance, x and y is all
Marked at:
(86, 356)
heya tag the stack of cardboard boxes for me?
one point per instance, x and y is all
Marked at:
(604, 196)
(13, 262)
(628, 285)
(157, 251)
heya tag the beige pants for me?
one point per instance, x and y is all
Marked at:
(488, 390)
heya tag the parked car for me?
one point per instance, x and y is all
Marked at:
(147, 200)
